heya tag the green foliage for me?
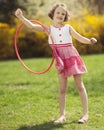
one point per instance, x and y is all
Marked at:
(6, 41)
(89, 26)
(7, 9)
(97, 6)
(35, 44)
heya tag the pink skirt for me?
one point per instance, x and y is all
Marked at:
(73, 63)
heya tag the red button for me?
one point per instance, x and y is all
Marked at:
(60, 34)
(60, 40)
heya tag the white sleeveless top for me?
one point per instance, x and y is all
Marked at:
(60, 35)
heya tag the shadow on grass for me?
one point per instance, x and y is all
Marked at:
(23, 84)
(45, 126)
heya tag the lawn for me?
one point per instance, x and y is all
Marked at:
(30, 102)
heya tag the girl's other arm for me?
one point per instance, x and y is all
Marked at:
(28, 23)
(81, 38)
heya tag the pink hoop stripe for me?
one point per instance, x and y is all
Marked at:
(18, 55)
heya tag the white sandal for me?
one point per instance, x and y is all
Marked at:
(62, 119)
(83, 119)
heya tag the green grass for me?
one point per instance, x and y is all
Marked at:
(30, 102)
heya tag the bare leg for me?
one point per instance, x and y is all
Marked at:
(62, 93)
(83, 95)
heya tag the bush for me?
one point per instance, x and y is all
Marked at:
(32, 44)
(6, 41)
(90, 26)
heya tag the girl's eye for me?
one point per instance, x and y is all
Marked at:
(60, 13)
(57, 12)
(63, 14)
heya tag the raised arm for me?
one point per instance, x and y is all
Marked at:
(81, 38)
(19, 15)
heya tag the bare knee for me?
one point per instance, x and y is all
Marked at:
(80, 88)
(79, 83)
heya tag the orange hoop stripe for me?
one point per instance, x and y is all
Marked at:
(17, 52)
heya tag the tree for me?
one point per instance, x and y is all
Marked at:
(97, 5)
(7, 8)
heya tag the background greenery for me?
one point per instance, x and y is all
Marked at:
(86, 17)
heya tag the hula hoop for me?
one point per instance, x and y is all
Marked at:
(17, 52)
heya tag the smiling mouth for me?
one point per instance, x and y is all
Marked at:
(60, 18)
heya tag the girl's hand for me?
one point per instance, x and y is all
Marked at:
(93, 40)
(18, 13)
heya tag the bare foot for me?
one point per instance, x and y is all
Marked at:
(83, 119)
(60, 119)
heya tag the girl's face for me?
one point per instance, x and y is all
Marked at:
(59, 15)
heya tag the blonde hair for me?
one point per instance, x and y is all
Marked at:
(51, 13)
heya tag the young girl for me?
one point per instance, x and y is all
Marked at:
(73, 64)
